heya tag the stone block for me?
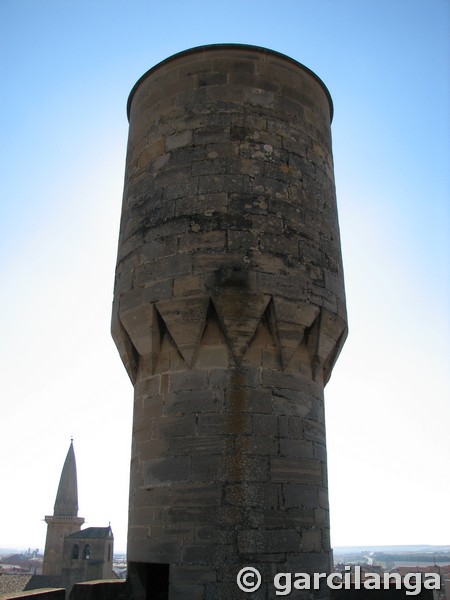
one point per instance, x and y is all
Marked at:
(188, 380)
(309, 562)
(292, 403)
(236, 467)
(174, 426)
(208, 167)
(210, 135)
(311, 540)
(173, 191)
(265, 424)
(251, 494)
(269, 540)
(165, 268)
(203, 204)
(144, 413)
(193, 401)
(296, 448)
(295, 428)
(213, 535)
(149, 449)
(314, 430)
(260, 445)
(183, 591)
(190, 494)
(285, 470)
(156, 497)
(210, 424)
(300, 496)
(323, 498)
(165, 471)
(321, 517)
(198, 554)
(239, 423)
(178, 140)
(258, 97)
(209, 445)
(191, 574)
(191, 515)
(289, 518)
(320, 451)
(205, 468)
(212, 356)
(186, 285)
(181, 157)
(211, 240)
(142, 515)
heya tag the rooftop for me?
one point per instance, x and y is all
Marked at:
(92, 533)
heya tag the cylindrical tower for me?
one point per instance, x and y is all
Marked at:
(229, 313)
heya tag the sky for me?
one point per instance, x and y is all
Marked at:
(67, 68)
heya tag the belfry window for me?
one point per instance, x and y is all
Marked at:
(87, 552)
(75, 551)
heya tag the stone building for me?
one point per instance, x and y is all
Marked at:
(87, 556)
(73, 554)
(65, 519)
(229, 314)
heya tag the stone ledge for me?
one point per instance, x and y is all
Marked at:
(41, 594)
(102, 589)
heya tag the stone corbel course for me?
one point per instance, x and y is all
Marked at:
(183, 321)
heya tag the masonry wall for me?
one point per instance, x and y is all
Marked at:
(79, 565)
(58, 528)
(229, 313)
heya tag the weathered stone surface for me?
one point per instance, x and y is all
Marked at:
(229, 314)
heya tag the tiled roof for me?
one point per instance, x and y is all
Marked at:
(14, 584)
(11, 584)
(91, 533)
(37, 582)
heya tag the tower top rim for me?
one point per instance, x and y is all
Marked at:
(229, 46)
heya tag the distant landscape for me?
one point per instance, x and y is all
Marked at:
(389, 556)
(414, 551)
(390, 549)
(15, 561)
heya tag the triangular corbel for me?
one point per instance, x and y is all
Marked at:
(325, 337)
(291, 320)
(239, 314)
(141, 324)
(185, 320)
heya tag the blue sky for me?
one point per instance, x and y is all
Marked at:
(67, 68)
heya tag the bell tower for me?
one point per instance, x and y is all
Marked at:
(65, 519)
(229, 314)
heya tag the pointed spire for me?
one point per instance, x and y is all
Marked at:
(66, 503)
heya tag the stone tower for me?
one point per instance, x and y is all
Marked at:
(229, 313)
(65, 518)
(87, 556)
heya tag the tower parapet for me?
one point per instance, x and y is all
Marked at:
(229, 313)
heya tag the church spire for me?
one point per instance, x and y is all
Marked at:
(64, 520)
(66, 503)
